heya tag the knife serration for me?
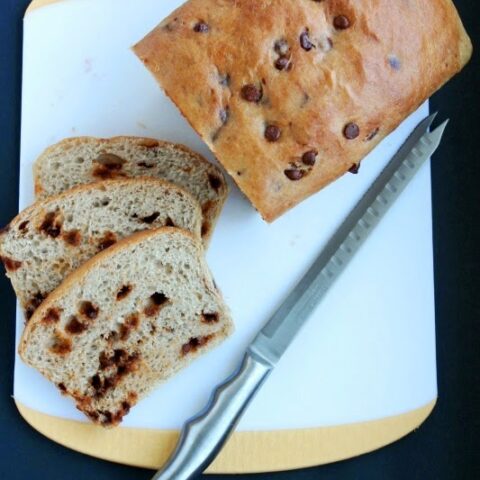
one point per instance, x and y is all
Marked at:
(281, 329)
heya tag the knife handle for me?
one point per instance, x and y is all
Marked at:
(203, 436)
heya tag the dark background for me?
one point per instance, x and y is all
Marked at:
(446, 446)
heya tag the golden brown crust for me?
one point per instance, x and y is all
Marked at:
(78, 274)
(370, 68)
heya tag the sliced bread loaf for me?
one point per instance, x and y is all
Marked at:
(74, 161)
(53, 237)
(128, 318)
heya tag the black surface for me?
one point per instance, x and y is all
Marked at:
(445, 447)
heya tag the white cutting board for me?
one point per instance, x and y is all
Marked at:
(368, 351)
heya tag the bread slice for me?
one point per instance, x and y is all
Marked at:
(74, 161)
(53, 237)
(128, 318)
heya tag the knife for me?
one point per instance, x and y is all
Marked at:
(203, 436)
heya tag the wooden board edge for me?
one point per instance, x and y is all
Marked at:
(34, 4)
(245, 452)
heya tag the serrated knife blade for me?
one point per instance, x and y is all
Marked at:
(203, 436)
(280, 330)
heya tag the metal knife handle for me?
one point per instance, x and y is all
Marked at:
(204, 435)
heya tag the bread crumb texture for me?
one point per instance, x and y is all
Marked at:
(81, 160)
(49, 240)
(127, 319)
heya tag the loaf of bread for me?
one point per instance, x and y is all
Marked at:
(125, 320)
(47, 241)
(85, 159)
(291, 94)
